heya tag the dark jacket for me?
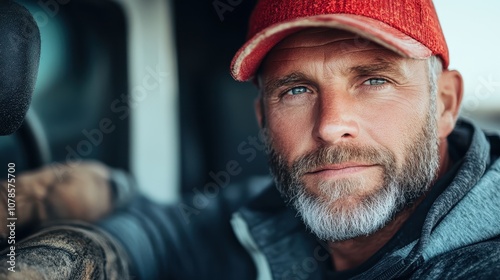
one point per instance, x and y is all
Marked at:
(245, 231)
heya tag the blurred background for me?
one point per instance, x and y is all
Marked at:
(470, 32)
(144, 86)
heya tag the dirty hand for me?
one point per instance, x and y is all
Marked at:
(74, 191)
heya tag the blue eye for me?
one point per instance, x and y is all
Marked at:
(375, 82)
(297, 90)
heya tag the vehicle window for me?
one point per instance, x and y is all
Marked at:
(82, 69)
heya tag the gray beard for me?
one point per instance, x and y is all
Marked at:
(401, 187)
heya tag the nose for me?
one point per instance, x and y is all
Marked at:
(336, 119)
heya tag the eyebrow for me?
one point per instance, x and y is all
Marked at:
(289, 79)
(379, 66)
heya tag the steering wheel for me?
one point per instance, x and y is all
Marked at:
(34, 141)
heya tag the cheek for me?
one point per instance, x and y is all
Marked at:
(290, 132)
(396, 127)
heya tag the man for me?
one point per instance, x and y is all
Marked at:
(374, 177)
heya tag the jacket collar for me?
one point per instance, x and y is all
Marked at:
(290, 251)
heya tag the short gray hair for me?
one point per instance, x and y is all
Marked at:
(434, 68)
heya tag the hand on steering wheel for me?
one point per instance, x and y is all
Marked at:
(79, 191)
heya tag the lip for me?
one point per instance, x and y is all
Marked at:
(340, 169)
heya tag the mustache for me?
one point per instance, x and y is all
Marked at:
(342, 153)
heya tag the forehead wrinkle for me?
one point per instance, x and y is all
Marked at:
(326, 57)
(289, 53)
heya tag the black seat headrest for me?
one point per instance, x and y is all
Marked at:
(19, 59)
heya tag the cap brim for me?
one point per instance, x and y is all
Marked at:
(247, 60)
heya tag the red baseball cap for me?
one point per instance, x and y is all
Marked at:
(408, 27)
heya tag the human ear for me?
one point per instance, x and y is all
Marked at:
(449, 98)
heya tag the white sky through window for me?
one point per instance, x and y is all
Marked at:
(472, 31)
